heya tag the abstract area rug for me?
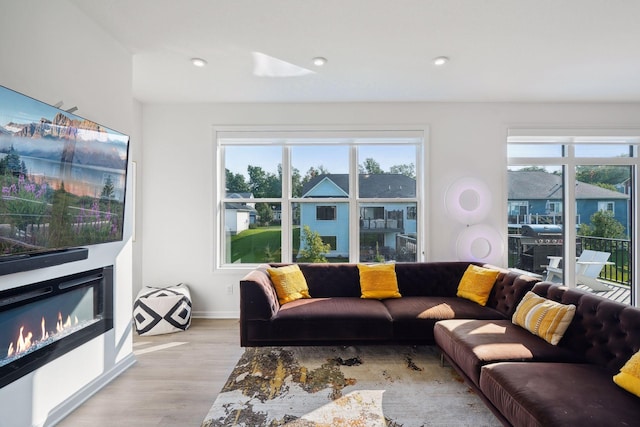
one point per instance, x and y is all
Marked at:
(395, 386)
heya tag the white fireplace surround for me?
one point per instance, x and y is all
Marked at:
(100, 85)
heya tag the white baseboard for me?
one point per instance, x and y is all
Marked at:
(78, 398)
(216, 314)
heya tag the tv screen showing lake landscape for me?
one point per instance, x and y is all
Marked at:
(62, 177)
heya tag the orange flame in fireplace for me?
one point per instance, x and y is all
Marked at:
(45, 334)
(24, 340)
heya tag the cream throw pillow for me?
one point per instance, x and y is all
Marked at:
(545, 318)
(476, 284)
(378, 281)
(289, 282)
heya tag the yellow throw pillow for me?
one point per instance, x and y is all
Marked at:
(289, 282)
(629, 376)
(545, 318)
(378, 281)
(476, 284)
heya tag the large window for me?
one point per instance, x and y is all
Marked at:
(309, 196)
(572, 210)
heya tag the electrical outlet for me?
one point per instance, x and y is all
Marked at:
(230, 290)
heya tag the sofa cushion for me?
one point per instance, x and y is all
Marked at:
(378, 281)
(332, 280)
(289, 282)
(476, 284)
(508, 290)
(545, 318)
(471, 343)
(430, 278)
(414, 317)
(323, 319)
(557, 394)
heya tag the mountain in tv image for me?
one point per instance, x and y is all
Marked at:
(92, 145)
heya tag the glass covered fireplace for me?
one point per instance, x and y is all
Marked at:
(42, 321)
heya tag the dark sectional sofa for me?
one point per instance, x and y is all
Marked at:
(337, 315)
(529, 382)
(523, 379)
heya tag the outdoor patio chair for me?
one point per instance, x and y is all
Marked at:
(588, 267)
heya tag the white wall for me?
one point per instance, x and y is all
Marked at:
(50, 52)
(466, 139)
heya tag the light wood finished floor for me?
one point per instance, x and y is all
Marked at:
(167, 387)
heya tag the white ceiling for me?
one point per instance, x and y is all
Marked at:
(379, 50)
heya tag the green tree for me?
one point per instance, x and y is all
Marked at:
(532, 169)
(12, 163)
(603, 224)
(605, 174)
(263, 184)
(265, 213)
(370, 166)
(296, 183)
(108, 191)
(313, 249)
(268, 256)
(235, 183)
(407, 170)
(610, 187)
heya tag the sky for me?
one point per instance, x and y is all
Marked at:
(581, 150)
(335, 158)
(20, 108)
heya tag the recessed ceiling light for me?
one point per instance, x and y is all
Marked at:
(319, 61)
(440, 60)
(198, 62)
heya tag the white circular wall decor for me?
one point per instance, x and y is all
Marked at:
(481, 243)
(468, 200)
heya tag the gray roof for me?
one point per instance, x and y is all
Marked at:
(240, 195)
(531, 185)
(239, 207)
(384, 185)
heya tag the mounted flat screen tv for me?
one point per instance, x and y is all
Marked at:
(62, 177)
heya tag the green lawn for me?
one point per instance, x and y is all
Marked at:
(250, 246)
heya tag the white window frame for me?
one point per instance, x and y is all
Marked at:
(604, 206)
(557, 207)
(569, 138)
(517, 204)
(289, 136)
(411, 213)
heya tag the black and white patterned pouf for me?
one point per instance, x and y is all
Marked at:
(162, 310)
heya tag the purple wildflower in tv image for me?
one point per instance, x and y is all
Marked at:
(63, 178)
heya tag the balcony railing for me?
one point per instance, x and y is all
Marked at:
(620, 249)
(381, 224)
(555, 219)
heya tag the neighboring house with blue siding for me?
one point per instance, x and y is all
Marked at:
(535, 197)
(382, 223)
